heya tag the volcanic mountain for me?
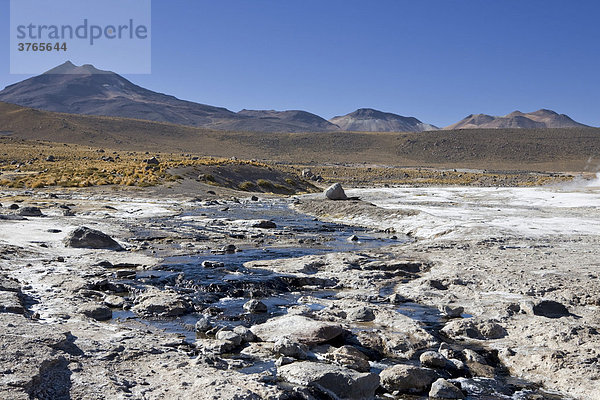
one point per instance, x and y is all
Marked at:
(297, 118)
(369, 120)
(86, 90)
(538, 119)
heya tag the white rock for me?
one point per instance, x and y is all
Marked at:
(335, 192)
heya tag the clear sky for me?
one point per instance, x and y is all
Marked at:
(437, 60)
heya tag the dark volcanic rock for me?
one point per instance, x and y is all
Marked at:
(264, 224)
(550, 309)
(30, 212)
(84, 237)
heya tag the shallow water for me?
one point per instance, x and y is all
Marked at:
(307, 236)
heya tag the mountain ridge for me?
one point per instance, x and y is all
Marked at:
(86, 90)
(542, 118)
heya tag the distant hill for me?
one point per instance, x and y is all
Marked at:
(503, 149)
(538, 119)
(296, 118)
(369, 120)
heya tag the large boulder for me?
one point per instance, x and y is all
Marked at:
(336, 192)
(407, 378)
(87, 238)
(333, 381)
(297, 328)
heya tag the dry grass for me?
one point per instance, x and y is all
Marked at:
(26, 164)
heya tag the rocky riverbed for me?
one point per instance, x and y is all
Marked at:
(413, 293)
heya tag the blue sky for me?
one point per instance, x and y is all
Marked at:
(436, 60)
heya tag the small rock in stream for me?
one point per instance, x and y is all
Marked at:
(203, 324)
(284, 361)
(113, 301)
(255, 306)
(245, 333)
(96, 311)
(407, 378)
(350, 357)
(30, 212)
(433, 359)
(450, 311)
(442, 389)
(360, 314)
(229, 336)
(264, 224)
(286, 347)
(230, 248)
(212, 264)
(161, 303)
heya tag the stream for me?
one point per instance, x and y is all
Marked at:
(224, 288)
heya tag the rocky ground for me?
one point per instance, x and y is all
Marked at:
(200, 298)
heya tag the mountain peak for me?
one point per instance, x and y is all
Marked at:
(68, 68)
(544, 112)
(370, 113)
(542, 118)
(371, 120)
